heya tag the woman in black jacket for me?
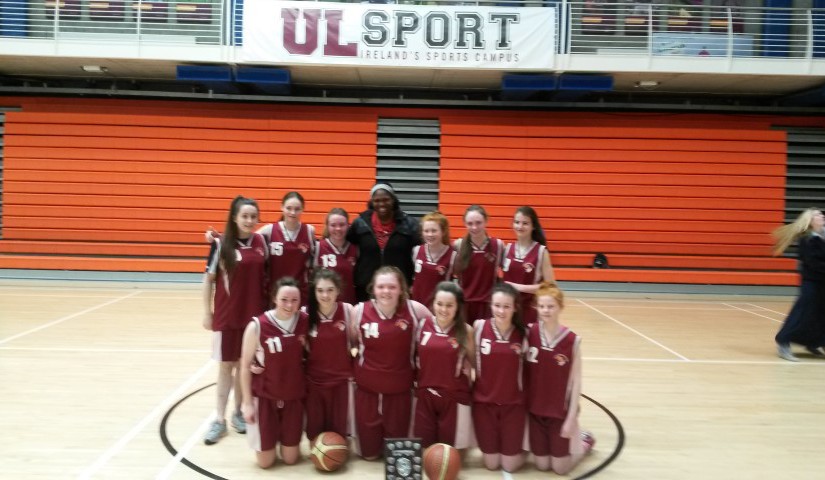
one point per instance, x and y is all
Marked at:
(385, 236)
(805, 324)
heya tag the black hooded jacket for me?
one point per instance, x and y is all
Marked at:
(397, 252)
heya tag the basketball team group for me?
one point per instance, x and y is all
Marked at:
(385, 328)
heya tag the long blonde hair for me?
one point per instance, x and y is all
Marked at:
(785, 235)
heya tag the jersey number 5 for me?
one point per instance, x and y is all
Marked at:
(486, 346)
(276, 248)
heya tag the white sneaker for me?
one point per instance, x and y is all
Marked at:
(216, 431)
(784, 352)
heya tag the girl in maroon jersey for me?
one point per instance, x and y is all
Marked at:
(434, 259)
(444, 350)
(291, 244)
(527, 261)
(383, 329)
(476, 267)
(337, 254)
(499, 413)
(554, 374)
(234, 285)
(329, 363)
(273, 399)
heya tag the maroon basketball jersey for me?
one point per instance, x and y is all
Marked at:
(499, 366)
(341, 261)
(429, 271)
(439, 360)
(241, 295)
(385, 361)
(549, 363)
(281, 352)
(291, 256)
(478, 279)
(329, 361)
(524, 268)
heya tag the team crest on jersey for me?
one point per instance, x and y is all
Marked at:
(304, 247)
(528, 267)
(259, 251)
(402, 324)
(516, 348)
(561, 359)
(490, 257)
(441, 269)
(340, 325)
(453, 342)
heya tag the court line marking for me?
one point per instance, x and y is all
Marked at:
(784, 314)
(157, 411)
(103, 350)
(506, 475)
(753, 313)
(687, 307)
(190, 442)
(709, 362)
(674, 352)
(67, 317)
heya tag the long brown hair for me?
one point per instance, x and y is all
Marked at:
(460, 323)
(511, 291)
(465, 251)
(231, 233)
(313, 306)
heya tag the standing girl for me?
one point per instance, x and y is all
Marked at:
(444, 349)
(527, 261)
(383, 329)
(234, 286)
(291, 243)
(554, 374)
(329, 364)
(337, 254)
(499, 413)
(273, 399)
(478, 260)
(434, 259)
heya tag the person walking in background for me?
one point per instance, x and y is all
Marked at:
(384, 235)
(805, 324)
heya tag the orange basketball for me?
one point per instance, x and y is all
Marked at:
(329, 452)
(441, 462)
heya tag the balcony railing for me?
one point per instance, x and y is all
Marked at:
(633, 27)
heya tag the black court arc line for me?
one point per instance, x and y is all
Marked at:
(171, 449)
(619, 443)
(166, 443)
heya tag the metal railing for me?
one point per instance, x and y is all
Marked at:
(115, 21)
(633, 27)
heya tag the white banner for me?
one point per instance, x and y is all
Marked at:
(416, 36)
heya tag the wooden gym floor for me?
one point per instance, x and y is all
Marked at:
(90, 371)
